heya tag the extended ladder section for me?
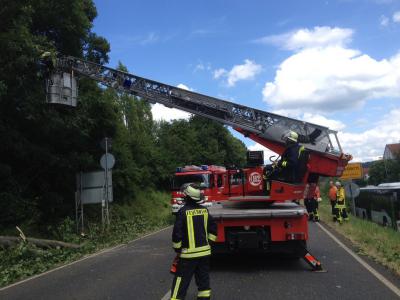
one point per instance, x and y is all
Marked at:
(262, 125)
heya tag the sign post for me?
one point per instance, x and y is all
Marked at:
(90, 190)
(352, 171)
(107, 162)
(353, 190)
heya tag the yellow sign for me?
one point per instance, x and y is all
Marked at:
(352, 171)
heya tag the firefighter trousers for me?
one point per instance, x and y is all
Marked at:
(341, 213)
(311, 205)
(333, 204)
(200, 267)
(315, 209)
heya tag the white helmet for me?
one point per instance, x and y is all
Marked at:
(338, 184)
(192, 192)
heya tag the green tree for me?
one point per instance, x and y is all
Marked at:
(43, 146)
(196, 141)
(384, 171)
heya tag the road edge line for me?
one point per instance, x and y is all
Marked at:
(166, 296)
(81, 259)
(374, 272)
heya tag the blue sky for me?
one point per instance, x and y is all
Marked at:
(336, 63)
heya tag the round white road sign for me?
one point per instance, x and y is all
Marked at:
(107, 161)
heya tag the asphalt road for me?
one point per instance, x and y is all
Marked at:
(140, 270)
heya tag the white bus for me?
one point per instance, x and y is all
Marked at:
(380, 204)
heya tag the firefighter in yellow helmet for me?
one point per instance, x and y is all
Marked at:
(287, 166)
(193, 229)
(340, 207)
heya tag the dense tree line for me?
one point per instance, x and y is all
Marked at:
(43, 146)
(387, 170)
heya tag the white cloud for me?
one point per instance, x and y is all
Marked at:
(199, 67)
(326, 76)
(184, 87)
(202, 67)
(246, 71)
(267, 153)
(369, 145)
(323, 75)
(384, 21)
(364, 146)
(314, 118)
(323, 121)
(396, 17)
(306, 38)
(150, 38)
(163, 113)
(219, 73)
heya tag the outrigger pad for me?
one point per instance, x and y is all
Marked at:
(310, 259)
(314, 263)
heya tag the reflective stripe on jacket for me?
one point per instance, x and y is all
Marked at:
(192, 229)
(340, 195)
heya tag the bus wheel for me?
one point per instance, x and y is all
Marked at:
(364, 216)
(385, 221)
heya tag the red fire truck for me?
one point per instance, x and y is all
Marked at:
(252, 213)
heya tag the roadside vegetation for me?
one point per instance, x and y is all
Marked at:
(150, 212)
(380, 243)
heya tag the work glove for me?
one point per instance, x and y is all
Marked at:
(282, 164)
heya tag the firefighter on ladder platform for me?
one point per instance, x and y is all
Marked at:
(193, 229)
(340, 207)
(286, 169)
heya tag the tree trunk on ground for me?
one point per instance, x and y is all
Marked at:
(10, 241)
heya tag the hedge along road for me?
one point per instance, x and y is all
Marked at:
(140, 270)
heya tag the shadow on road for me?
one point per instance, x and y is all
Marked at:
(247, 263)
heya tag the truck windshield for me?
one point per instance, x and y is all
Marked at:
(203, 180)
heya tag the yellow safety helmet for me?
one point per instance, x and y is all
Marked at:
(290, 135)
(191, 192)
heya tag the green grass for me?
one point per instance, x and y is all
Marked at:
(150, 211)
(378, 242)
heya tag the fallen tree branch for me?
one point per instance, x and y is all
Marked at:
(10, 241)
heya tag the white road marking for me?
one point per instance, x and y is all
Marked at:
(82, 259)
(379, 276)
(166, 296)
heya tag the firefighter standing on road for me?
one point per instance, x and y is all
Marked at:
(340, 207)
(311, 205)
(315, 200)
(332, 198)
(193, 229)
